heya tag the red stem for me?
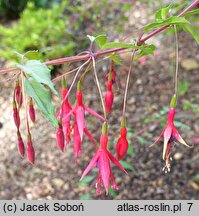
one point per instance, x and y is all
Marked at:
(104, 52)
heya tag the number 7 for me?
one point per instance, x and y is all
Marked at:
(190, 204)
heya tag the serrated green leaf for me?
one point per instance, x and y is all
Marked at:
(162, 13)
(42, 98)
(39, 71)
(194, 34)
(112, 45)
(101, 40)
(127, 166)
(174, 20)
(86, 180)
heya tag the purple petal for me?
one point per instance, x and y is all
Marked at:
(92, 112)
(91, 164)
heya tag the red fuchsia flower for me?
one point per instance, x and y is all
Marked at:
(63, 113)
(170, 134)
(109, 97)
(102, 160)
(30, 150)
(21, 147)
(16, 115)
(60, 136)
(77, 142)
(79, 111)
(18, 94)
(122, 143)
(31, 111)
(66, 108)
(77, 149)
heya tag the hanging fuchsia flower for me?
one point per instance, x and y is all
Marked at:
(122, 143)
(18, 94)
(77, 142)
(170, 134)
(109, 97)
(79, 112)
(32, 111)
(16, 115)
(21, 147)
(30, 150)
(66, 108)
(102, 160)
(60, 136)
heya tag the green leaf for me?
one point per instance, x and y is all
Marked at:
(112, 193)
(85, 197)
(127, 6)
(33, 55)
(174, 20)
(194, 34)
(196, 178)
(183, 87)
(112, 45)
(163, 13)
(127, 166)
(192, 12)
(142, 141)
(101, 40)
(39, 71)
(115, 58)
(147, 50)
(86, 180)
(130, 150)
(42, 98)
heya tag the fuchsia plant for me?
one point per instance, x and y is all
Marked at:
(33, 77)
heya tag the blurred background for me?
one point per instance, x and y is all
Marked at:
(59, 28)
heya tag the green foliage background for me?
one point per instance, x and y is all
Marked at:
(57, 28)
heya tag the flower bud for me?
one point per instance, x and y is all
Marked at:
(21, 147)
(30, 150)
(16, 115)
(31, 111)
(122, 144)
(18, 94)
(60, 136)
(109, 97)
